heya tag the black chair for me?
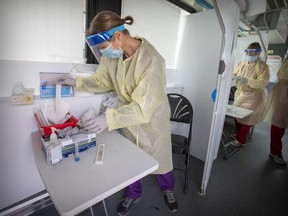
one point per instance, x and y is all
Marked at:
(232, 93)
(181, 112)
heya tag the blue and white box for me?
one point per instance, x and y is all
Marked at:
(48, 85)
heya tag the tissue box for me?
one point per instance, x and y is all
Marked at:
(23, 98)
(46, 129)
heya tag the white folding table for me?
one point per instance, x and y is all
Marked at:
(75, 186)
(237, 112)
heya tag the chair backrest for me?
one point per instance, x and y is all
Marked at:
(181, 108)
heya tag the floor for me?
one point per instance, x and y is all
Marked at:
(248, 183)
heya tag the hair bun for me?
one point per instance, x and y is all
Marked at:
(128, 20)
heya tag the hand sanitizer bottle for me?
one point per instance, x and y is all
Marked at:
(54, 149)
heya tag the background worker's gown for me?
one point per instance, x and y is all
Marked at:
(277, 105)
(144, 115)
(252, 95)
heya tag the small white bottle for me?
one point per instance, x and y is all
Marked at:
(54, 149)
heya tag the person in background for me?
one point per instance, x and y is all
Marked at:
(132, 68)
(252, 75)
(277, 113)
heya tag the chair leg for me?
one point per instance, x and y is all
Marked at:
(186, 173)
(251, 133)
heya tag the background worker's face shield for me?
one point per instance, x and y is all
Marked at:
(101, 40)
(252, 55)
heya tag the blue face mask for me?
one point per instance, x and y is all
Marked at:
(112, 53)
(252, 58)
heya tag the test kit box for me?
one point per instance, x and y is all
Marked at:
(46, 129)
(85, 141)
(48, 85)
(50, 91)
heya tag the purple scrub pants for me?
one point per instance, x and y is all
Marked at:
(165, 182)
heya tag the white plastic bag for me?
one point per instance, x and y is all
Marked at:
(57, 110)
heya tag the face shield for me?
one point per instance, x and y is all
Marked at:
(251, 55)
(99, 41)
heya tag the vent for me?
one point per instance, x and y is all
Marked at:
(192, 6)
(28, 206)
(275, 4)
(271, 20)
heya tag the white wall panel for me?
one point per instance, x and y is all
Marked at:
(230, 18)
(197, 72)
(28, 72)
(41, 30)
(158, 22)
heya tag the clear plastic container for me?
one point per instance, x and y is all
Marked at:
(54, 153)
(54, 149)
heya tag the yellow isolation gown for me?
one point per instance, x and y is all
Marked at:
(144, 113)
(277, 105)
(252, 95)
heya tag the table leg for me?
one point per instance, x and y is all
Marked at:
(251, 133)
(104, 205)
(105, 209)
(230, 153)
(226, 146)
(91, 210)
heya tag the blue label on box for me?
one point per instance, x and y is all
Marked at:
(50, 91)
(70, 150)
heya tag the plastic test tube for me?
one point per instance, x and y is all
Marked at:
(76, 155)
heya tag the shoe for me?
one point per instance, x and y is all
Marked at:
(235, 143)
(233, 136)
(125, 205)
(278, 159)
(170, 200)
